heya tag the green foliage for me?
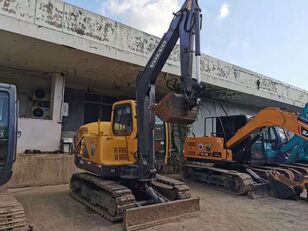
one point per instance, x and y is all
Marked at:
(178, 135)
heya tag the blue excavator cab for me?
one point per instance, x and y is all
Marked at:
(8, 131)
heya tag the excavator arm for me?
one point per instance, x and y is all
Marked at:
(186, 27)
(271, 117)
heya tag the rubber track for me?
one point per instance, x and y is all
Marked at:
(246, 179)
(123, 195)
(183, 191)
(95, 209)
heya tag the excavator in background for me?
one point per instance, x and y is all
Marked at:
(245, 154)
(8, 131)
(121, 182)
(12, 214)
(297, 147)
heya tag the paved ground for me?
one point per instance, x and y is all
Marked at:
(51, 208)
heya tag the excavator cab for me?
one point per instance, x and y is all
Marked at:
(114, 143)
(8, 131)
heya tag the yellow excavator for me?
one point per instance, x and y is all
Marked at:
(121, 182)
(232, 156)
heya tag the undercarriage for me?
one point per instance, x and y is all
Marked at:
(254, 180)
(124, 199)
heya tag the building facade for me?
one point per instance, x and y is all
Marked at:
(70, 65)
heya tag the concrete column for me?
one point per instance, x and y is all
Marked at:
(57, 96)
(44, 134)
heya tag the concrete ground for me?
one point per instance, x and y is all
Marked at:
(51, 208)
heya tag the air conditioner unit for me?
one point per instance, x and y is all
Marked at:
(40, 112)
(41, 94)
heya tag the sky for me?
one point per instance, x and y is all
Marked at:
(266, 36)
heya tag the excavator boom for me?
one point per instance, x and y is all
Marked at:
(174, 108)
(269, 117)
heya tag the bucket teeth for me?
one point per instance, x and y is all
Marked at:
(174, 108)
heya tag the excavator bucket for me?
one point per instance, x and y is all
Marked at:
(283, 187)
(174, 108)
(157, 214)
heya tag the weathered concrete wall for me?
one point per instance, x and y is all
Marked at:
(41, 134)
(40, 170)
(44, 134)
(61, 23)
(38, 134)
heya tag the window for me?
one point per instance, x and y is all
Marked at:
(283, 135)
(4, 108)
(160, 140)
(122, 121)
(257, 148)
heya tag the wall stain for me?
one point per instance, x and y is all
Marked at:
(108, 32)
(54, 16)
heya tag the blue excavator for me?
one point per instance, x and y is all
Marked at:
(8, 131)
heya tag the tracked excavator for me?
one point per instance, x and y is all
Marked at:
(121, 182)
(234, 156)
(12, 214)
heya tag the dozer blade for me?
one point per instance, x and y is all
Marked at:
(259, 190)
(174, 108)
(157, 214)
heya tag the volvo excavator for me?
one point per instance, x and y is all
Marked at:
(121, 182)
(248, 155)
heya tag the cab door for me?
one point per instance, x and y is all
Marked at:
(8, 131)
(123, 142)
(161, 142)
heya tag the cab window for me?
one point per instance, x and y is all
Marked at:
(283, 135)
(4, 107)
(160, 140)
(122, 120)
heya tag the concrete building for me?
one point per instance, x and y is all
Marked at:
(70, 65)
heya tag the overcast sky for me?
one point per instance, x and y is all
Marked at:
(266, 36)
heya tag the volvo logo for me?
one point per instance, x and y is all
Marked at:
(158, 54)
